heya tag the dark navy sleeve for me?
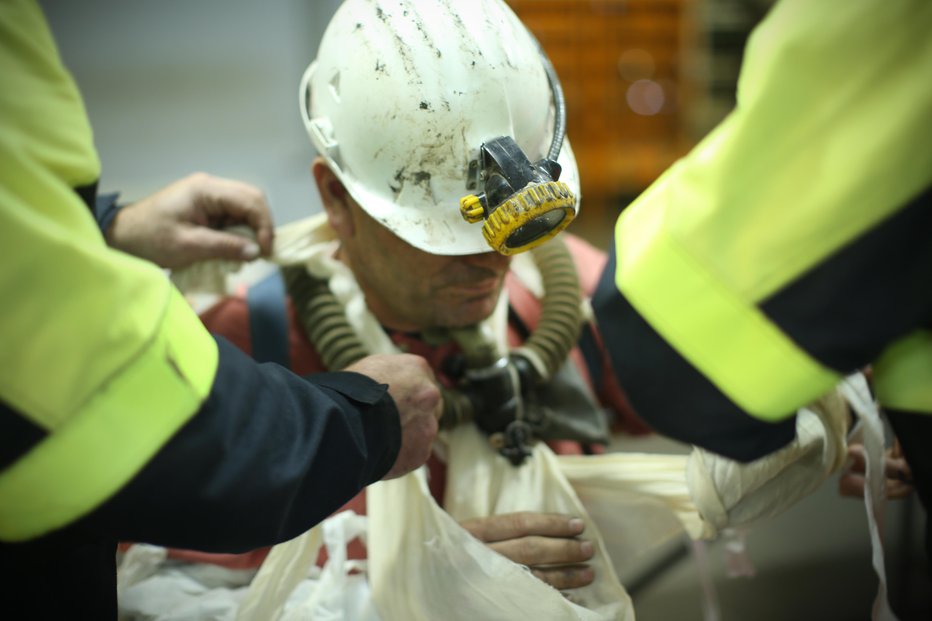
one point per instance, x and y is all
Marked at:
(671, 395)
(842, 312)
(269, 455)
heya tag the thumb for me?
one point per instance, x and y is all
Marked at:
(851, 485)
(201, 243)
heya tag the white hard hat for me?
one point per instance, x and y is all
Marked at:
(402, 95)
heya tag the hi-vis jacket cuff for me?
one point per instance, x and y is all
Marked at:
(903, 374)
(692, 310)
(114, 435)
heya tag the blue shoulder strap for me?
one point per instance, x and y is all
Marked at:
(592, 355)
(268, 320)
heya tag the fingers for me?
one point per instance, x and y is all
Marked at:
(897, 490)
(569, 577)
(523, 524)
(199, 243)
(180, 223)
(898, 470)
(856, 454)
(227, 201)
(851, 485)
(895, 467)
(898, 475)
(411, 382)
(544, 542)
(534, 551)
(897, 449)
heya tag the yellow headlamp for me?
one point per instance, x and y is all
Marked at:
(524, 204)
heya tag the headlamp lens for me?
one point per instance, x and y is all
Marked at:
(523, 204)
(530, 232)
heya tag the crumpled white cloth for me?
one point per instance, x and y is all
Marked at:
(731, 494)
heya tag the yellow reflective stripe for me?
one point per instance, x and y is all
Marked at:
(106, 442)
(903, 374)
(728, 339)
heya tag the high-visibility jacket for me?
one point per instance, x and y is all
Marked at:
(793, 245)
(117, 408)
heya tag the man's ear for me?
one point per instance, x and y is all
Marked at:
(335, 198)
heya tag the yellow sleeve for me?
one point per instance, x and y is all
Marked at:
(99, 350)
(831, 135)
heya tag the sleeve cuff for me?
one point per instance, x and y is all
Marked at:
(106, 209)
(381, 419)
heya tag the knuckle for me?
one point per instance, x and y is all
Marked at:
(255, 196)
(578, 576)
(430, 397)
(181, 243)
(561, 577)
(199, 177)
(516, 523)
(577, 550)
(527, 549)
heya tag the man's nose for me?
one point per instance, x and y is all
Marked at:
(489, 260)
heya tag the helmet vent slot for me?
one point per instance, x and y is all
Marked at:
(335, 87)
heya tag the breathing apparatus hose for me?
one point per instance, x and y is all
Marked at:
(561, 310)
(324, 321)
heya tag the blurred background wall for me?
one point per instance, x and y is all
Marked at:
(182, 85)
(178, 86)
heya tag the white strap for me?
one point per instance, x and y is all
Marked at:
(711, 610)
(858, 395)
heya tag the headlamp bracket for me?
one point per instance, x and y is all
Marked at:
(523, 204)
(502, 169)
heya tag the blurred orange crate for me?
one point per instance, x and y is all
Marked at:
(619, 62)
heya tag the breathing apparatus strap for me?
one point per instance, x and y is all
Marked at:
(268, 320)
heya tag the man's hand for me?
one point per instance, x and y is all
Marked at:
(544, 542)
(412, 385)
(898, 474)
(178, 225)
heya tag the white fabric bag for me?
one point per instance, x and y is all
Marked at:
(424, 566)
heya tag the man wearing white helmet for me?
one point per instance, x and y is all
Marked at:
(426, 116)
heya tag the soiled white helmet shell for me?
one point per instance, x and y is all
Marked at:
(403, 93)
